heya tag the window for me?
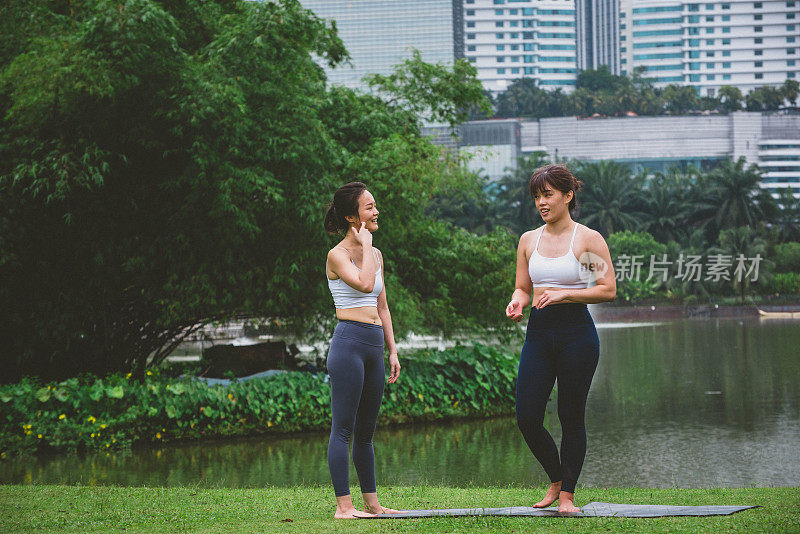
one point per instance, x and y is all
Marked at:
(790, 15)
(694, 66)
(528, 47)
(790, 3)
(528, 35)
(790, 63)
(694, 7)
(470, 24)
(709, 30)
(710, 77)
(529, 59)
(513, 23)
(622, 26)
(758, 52)
(470, 1)
(790, 74)
(501, 71)
(710, 42)
(790, 27)
(470, 36)
(514, 59)
(709, 6)
(726, 6)
(500, 47)
(528, 11)
(694, 42)
(622, 38)
(470, 12)
(790, 39)
(694, 77)
(472, 60)
(693, 31)
(758, 29)
(710, 65)
(759, 64)
(513, 11)
(726, 53)
(790, 50)
(530, 70)
(694, 54)
(726, 41)
(758, 5)
(726, 65)
(499, 36)
(515, 47)
(759, 75)
(726, 76)
(758, 17)
(623, 49)
(694, 19)
(726, 29)
(710, 19)
(513, 35)
(499, 2)
(501, 59)
(641, 22)
(498, 24)
(758, 40)
(709, 54)
(498, 11)
(726, 18)
(515, 70)
(470, 48)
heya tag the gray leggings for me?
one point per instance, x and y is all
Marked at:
(355, 365)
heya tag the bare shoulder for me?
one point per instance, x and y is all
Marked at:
(336, 254)
(380, 255)
(592, 238)
(530, 234)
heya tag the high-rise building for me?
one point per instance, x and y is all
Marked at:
(734, 42)
(597, 33)
(379, 34)
(511, 39)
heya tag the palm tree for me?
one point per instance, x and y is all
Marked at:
(787, 222)
(743, 242)
(610, 197)
(668, 205)
(513, 193)
(736, 193)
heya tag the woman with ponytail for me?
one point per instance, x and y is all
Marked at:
(355, 359)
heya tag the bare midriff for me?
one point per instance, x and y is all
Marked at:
(537, 294)
(362, 314)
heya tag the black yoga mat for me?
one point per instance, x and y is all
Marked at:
(593, 509)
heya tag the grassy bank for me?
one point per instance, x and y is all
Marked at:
(310, 510)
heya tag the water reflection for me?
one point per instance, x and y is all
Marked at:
(687, 403)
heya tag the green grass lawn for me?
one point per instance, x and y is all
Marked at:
(310, 509)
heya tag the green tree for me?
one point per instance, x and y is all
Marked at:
(163, 165)
(790, 90)
(610, 199)
(668, 205)
(743, 246)
(764, 98)
(730, 98)
(787, 220)
(631, 254)
(736, 192)
(679, 99)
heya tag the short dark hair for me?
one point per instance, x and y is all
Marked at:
(345, 203)
(558, 177)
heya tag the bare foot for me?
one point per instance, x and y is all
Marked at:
(351, 514)
(550, 497)
(566, 504)
(381, 510)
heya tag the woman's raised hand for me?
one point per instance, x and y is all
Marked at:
(363, 236)
(514, 311)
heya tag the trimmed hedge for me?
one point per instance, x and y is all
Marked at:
(115, 412)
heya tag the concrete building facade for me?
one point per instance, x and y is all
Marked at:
(656, 143)
(597, 33)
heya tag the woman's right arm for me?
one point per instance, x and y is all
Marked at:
(339, 263)
(523, 285)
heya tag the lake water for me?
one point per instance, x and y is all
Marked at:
(689, 403)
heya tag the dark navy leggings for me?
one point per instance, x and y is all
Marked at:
(561, 344)
(355, 365)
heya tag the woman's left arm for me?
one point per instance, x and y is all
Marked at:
(388, 332)
(597, 260)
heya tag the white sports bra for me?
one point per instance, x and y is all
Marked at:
(345, 296)
(562, 272)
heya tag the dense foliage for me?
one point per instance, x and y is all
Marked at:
(167, 164)
(601, 92)
(115, 412)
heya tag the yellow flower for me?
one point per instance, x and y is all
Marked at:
(62, 416)
(40, 436)
(230, 396)
(269, 423)
(149, 373)
(108, 444)
(420, 396)
(103, 425)
(128, 375)
(456, 404)
(158, 435)
(92, 434)
(91, 419)
(2, 454)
